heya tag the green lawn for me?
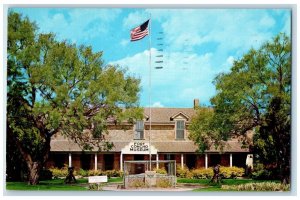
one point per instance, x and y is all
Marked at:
(82, 184)
(55, 185)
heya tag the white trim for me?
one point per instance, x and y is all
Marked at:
(128, 148)
(157, 158)
(178, 114)
(182, 160)
(70, 160)
(206, 161)
(230, 159)
(121, 162)
(96, 161)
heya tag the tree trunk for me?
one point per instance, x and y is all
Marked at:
(34, 173)
(35, 167)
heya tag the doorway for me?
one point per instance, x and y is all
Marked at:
(139, 167)
(190, 160)
(108, 161)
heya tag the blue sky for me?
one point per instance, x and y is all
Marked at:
(197, 44)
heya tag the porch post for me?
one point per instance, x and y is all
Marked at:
(70, 160)
(206, 161)
(182, 160)
(231, 160)
(96, 161)
(157, 161)
(121, 162)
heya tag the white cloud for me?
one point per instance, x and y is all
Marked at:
(157, 105)
(287, 26)
(78, 24)
(230, 29)
(124, 42)
(230, 60)
(228, 64)
(134, 19)
(267, 21)
(184, 77)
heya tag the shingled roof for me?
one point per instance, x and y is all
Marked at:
(164, 115)
(159, 116)
(162, 147)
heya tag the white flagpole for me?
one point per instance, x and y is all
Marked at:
(150, 118)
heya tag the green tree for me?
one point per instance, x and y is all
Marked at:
(57, 87)
(246, 98)
(275, 134)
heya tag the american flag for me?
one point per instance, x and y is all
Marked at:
(139, 32)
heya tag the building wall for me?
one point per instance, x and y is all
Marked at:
(117, 161)
(100, 160)
(120, 134)
(77, 161)
(159, 133)
(200, 161)
(225, 160)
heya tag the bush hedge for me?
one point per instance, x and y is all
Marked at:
(161, 171)
(202, 173)
(56, 172)
(261, 172)
(264, 186)
(63, 172)
(232, 172)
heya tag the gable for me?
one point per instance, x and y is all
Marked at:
(179, 116)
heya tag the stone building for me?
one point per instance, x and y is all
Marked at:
(169, 141)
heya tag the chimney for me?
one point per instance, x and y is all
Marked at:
(196, 103)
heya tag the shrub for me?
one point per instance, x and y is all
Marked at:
(161, 171)
(202, 173)
(58, 173)
(232, 172)
(95, 186)
(46, 174)
(83, 173)
(119, 173)
(137, 182)
(189, 175)
(181, 172)
(94, 172)
(264, 186)
(112, 173)
(261, 173)
(163, 183)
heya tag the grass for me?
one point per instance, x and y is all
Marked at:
(115, 180)
(81, 185)
(55, 185)
(208, 187)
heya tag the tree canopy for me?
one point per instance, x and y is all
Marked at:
(252, 96)
(56, 86)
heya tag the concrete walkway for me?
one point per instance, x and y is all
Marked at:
(178, 188)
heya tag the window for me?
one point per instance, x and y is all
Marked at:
(139, 130)
(180, 129)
